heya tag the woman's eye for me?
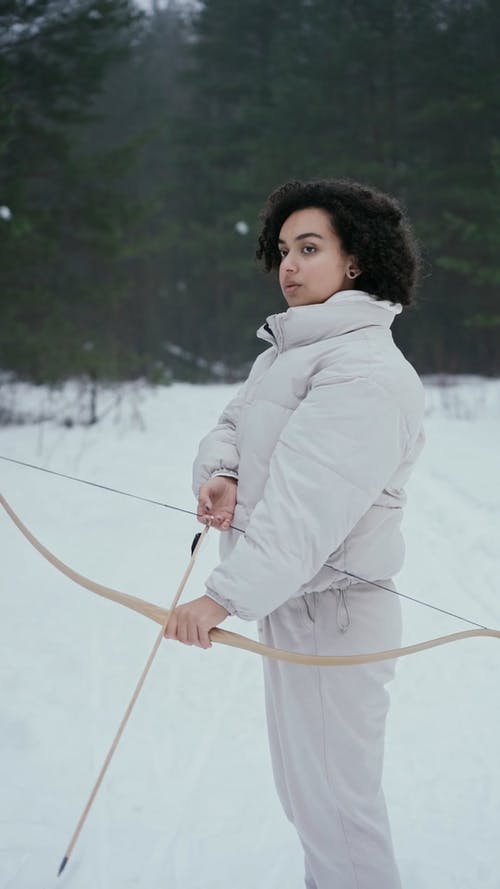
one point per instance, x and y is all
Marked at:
(308, 250)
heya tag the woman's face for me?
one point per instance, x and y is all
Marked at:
(313, 265)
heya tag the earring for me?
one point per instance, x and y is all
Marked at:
(352, 274)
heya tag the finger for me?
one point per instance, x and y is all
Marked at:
(183, 631)
(203, 507)
(203, 635)
(193, 632)
(205, 519)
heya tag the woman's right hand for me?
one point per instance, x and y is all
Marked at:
(217, 501)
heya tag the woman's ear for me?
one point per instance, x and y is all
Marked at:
(353, 271)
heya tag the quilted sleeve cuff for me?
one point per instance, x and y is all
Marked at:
(221, 601)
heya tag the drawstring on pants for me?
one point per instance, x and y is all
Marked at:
(343, 616)
(311, 616)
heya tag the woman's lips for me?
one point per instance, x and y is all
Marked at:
(291, 286)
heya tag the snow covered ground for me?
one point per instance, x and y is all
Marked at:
(189, 801)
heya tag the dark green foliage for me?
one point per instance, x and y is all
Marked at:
(62, 281)
(132, 149)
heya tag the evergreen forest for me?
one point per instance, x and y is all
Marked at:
(138, 145)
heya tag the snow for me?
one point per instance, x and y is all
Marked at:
(189, 801)
(242, 227)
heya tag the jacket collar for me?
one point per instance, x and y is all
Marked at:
(344, 312)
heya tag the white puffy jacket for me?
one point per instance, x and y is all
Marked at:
(322, 437)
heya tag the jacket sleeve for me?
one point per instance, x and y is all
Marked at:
(335, 455)
(218, 451)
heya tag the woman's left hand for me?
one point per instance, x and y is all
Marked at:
(190, 623)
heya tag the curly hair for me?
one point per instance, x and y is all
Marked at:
(372, 227)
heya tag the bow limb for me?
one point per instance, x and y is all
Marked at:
(235, 640)
(224, 637)
(140, 605)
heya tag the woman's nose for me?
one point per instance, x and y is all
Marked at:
(290, 264)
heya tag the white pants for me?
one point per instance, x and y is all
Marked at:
(326, 733)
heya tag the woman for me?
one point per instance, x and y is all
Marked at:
(310, 459)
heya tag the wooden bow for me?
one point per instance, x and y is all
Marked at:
(225, 637)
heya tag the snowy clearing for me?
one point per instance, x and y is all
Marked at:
(189, 801)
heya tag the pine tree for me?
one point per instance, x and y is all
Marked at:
(66, 215)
